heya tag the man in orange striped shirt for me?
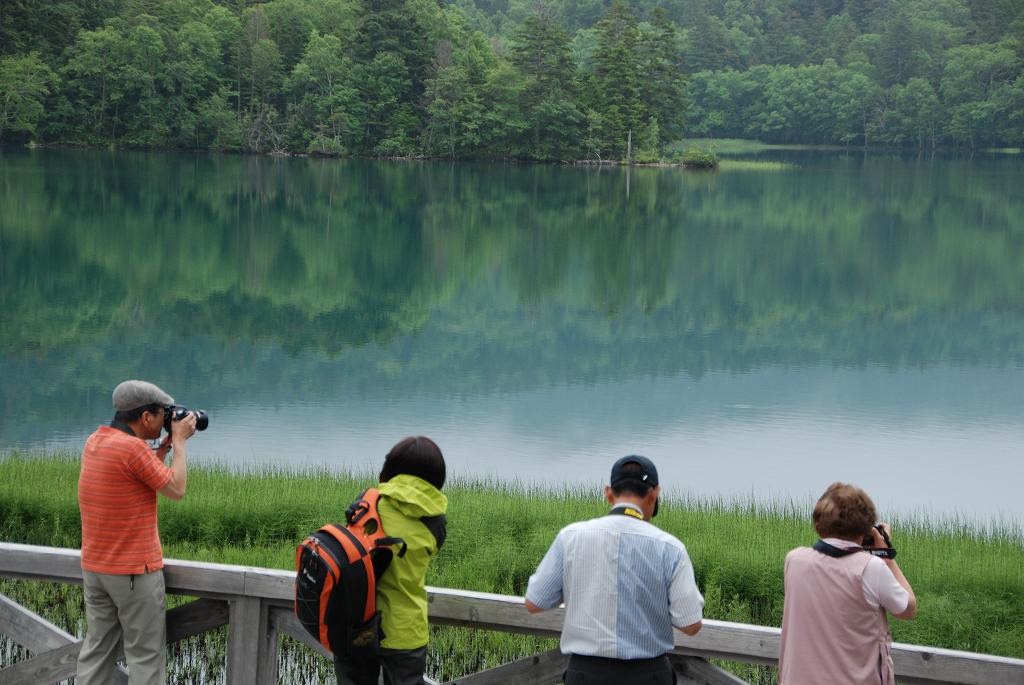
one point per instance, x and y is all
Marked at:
(122, 559)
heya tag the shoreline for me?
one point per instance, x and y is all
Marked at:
(729, 147)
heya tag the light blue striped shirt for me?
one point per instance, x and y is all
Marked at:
(624, 582)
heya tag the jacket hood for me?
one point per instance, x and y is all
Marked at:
(414, 496)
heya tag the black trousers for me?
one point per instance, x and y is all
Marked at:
(401, 667)
(595, 670)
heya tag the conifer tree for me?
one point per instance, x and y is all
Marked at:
(617, 83)
(662, 83)
(395, 52)
(550, 102)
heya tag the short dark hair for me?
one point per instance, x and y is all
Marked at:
(634, 486)
(133, 415)
(415, 456)
(844, 511)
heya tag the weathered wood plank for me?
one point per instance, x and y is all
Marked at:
(732, 641)
(206, 580)
(34, 562)
(29, 629)
(195, 618)
(917, 665)
(252, 643)
(243, 641)
(268, 653)
(490, 611)
(699, 671)
(286, 622)
(541, 669)
(270, 584)
(49, 667)
(52, 667)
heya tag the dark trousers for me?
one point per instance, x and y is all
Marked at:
(400, 666)
(595, 670)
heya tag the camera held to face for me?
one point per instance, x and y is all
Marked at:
(887, 552)
(177, 413)
(869, 540)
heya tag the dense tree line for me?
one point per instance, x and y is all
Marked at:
(364, 77)
(558, 79)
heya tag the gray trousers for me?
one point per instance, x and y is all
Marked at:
(392, 667)
(127, 610)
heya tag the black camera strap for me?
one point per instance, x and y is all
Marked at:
(837, 552)
(627, 510)
(122, 426)
(833, 551)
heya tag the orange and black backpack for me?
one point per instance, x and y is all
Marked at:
(336, 582)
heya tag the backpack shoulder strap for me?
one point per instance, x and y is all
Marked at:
(366, 506)
(365, 503)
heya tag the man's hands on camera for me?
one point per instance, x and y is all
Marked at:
(183, 429)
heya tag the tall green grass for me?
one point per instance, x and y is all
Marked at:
(969, 577)
(727, 146)
(740, 146)
(754, 165)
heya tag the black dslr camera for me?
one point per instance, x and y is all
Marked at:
(175, 412)
(886, 552)
(869, 541)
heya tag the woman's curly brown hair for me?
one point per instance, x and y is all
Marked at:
(844, 511)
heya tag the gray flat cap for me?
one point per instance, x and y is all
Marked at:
(134, 394)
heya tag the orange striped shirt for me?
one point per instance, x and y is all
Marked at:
(117, 497)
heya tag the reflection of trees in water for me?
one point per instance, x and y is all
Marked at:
(880, 260)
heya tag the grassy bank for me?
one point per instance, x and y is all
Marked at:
(968, 578)
(754, 165)
(744, 146)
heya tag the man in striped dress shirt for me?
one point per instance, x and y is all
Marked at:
(122, 560)
(625, 584)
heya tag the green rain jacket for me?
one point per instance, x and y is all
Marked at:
(401, 591)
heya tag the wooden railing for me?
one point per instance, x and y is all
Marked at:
(255, 604)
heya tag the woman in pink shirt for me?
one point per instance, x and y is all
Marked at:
(835, 629)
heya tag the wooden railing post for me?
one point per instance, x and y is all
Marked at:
(267, 671)
(252, 643)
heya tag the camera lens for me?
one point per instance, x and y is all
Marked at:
(178, 413)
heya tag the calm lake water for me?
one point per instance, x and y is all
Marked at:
(758, 333)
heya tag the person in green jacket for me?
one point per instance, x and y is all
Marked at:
(412, 507)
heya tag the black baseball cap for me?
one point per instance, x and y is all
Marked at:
(648, 473)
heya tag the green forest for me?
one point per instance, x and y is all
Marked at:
(510, 79)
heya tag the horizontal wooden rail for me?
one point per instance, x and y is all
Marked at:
(260, 605)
